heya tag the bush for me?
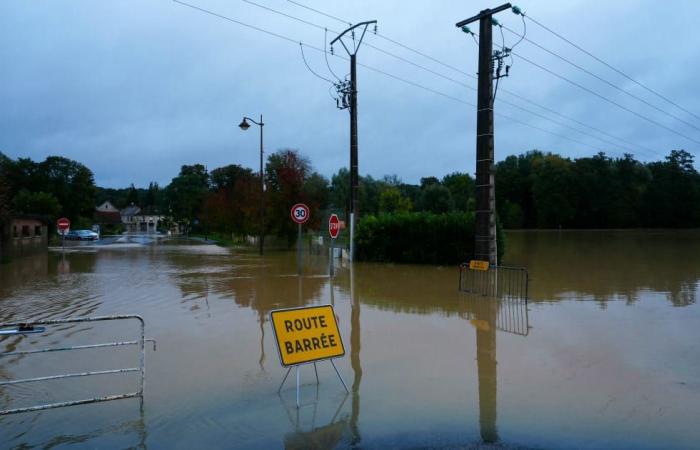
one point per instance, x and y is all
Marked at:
(422, 237)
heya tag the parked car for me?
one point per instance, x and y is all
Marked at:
(81, 235)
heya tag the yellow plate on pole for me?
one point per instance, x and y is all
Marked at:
(306, 334)
(478, 265)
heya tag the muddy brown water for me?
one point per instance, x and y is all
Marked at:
(609, 355)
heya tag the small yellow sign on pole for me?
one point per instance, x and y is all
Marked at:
(478, 265)
(306, 335)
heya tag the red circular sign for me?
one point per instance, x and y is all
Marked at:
(333, 226)
(63, 224)
(300, 213)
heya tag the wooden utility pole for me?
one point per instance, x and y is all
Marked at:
(485, 248)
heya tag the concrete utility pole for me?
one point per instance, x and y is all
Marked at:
(354, 177)
(485, 248)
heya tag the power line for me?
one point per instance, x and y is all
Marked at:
(320, 12)
(301, 47)
(442, 63)
(613, 85)
(412, 83)
(612, 67)
(592, 92)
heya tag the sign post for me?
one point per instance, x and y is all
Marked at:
(304, 336)
(63, 225)
(300, 214)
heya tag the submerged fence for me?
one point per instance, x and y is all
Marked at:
(32, 327)
(496, 281)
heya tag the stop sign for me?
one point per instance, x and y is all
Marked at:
(333, 226)
(63, 224)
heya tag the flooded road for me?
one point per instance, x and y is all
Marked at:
(605, 354)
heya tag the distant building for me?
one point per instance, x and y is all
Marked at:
(108, 217)
(141, 221)
(107, 207)
(23, 234)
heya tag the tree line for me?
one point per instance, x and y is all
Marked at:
(534, 190)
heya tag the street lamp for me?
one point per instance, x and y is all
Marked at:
(244, 125)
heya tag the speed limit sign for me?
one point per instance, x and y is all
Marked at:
(300, 213)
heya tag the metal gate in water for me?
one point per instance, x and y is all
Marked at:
(496, 281)
(38, 327)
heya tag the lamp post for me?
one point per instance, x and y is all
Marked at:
(244, 125)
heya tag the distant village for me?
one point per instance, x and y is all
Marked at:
(23, 233)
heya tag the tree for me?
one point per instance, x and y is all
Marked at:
(226, 177)
(552, 191)
(132, 196)
(317, 194)
(340, 189)
(461, 187)
(437, 199)
(186, 194)
(41, 203)
(151, 196)
(286, 171)
(391, 200)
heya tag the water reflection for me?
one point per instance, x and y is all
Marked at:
(355, 346)
(318, 437)
(79, 429)
(213, 382)
(609, 265)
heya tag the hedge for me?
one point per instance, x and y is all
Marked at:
(418, 237)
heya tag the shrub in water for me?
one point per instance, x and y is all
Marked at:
(421, 237)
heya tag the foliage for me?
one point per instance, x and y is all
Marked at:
(391, 201)
(70, 183)
(186, 194)
(417, 238)
(436, 198)
(36, 203)
(545, 190)
(461, 187)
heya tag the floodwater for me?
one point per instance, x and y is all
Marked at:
(605, 353)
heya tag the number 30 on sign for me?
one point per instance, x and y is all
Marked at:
(300, 213)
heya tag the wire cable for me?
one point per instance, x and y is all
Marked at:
(444, 64)
(602, 79)
(418, 85)
(620, 72)
(301, 47)
(325, 53)
(602, 97)
(321, 12)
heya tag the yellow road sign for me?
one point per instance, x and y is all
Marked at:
(306, 334)
(478, 265)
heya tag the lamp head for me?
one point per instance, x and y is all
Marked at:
(244, 125)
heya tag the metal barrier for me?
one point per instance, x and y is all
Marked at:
(508, 314)
(497, 281)
(27, 327)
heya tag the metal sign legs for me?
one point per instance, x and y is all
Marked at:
(317, 381)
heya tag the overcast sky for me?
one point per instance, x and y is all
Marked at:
(135, 89)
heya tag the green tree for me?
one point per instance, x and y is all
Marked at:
(132, 196)
(461, 187)
(552, 190)
(391, 201)
(436, 199)
(285, 174)
(317, 194)
(186, 194)
(225, 177)
(40, 203)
